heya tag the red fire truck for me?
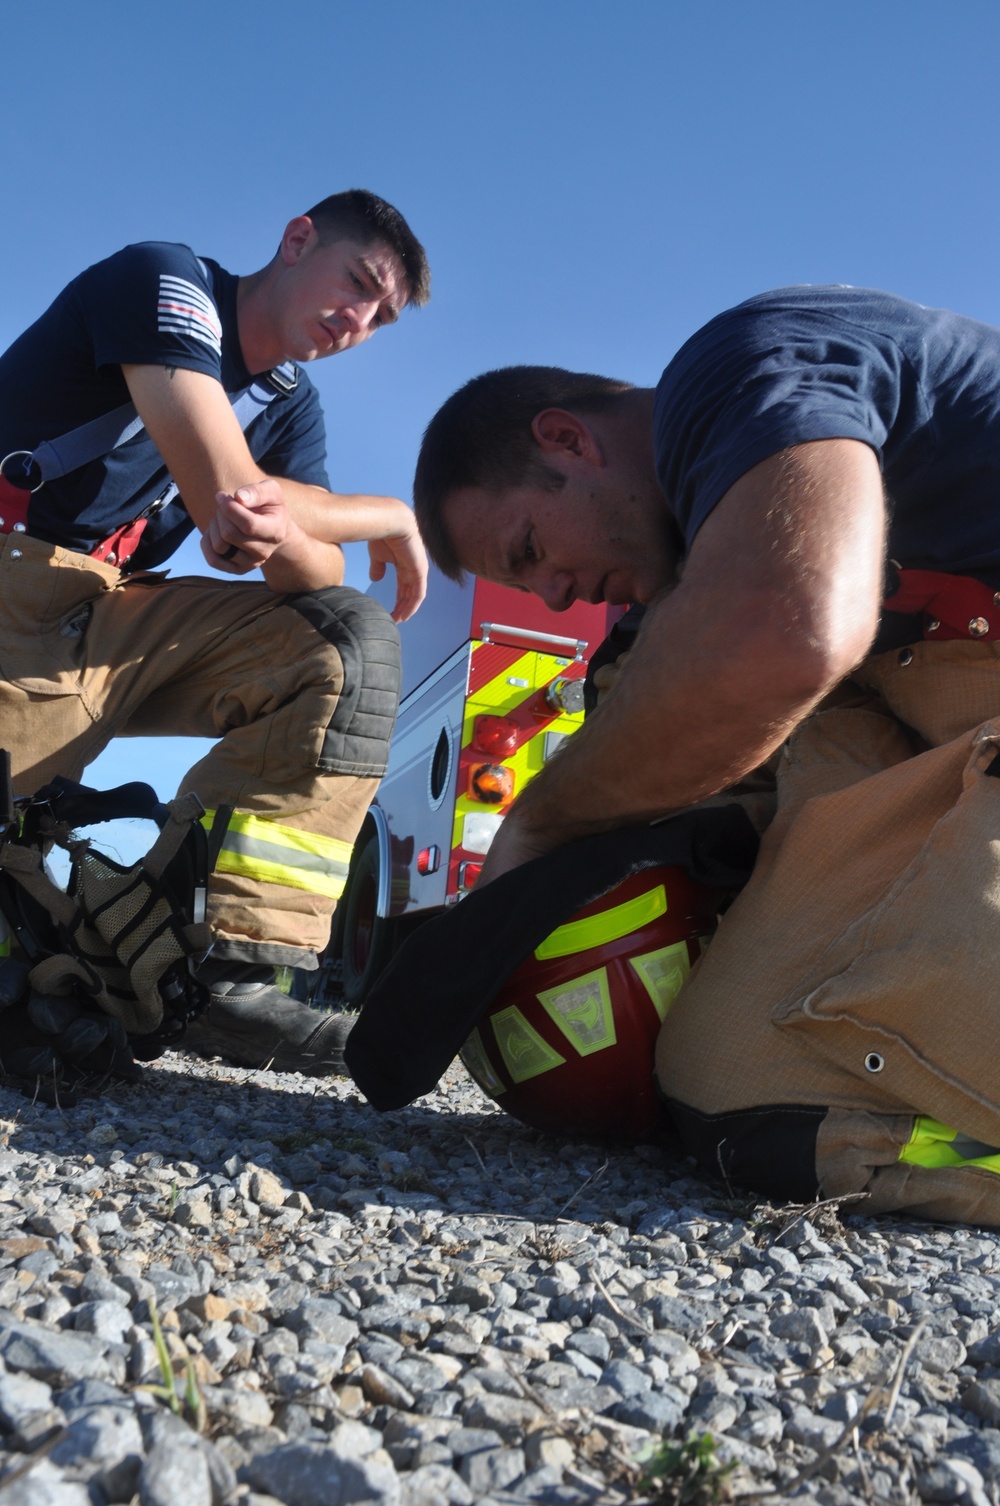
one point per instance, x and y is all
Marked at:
(492, 685)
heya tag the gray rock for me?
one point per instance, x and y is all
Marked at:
(510, 1416)
(981, 1448)
(802, 1326)
(492, 1469)
(940, 1354)
(287, 1297)
(983, 1399)
(431, 1483)
(589, 1369)
(35, 1429)
(246, 1409)
(53, 1354)
(106, 1320)
(381, 1388)
(319, 1318)
(677, 1314)
(312, 1474)
(170, 1287)
(170, 1475)
(96, 1287)
(731, 1450)
(651, 1410)
(19, 1396)
(591, 1342)
(45, 1485)
(107, 1440)
(627, 1379)
(163, 1430)
(464, 1441)
(760, 1425)
(681, 1357)
(82, 1395)
(714, 1413)
(476, 1295)
(806, 1427)
(952, 1480)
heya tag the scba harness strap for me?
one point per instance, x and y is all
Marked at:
(127, 938)
(54, 458)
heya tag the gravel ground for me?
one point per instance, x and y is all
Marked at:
(440, 1305)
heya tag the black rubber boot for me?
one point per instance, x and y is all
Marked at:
(252, 1023)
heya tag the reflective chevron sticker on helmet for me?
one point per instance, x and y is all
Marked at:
(661, 974)
(479, 1066)
(526, 1054)
(608, 925)
(582, 1010)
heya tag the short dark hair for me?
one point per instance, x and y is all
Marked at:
(359, 215)
(481, 437)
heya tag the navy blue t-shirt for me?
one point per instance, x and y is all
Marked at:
(150, 304)
(920, 386)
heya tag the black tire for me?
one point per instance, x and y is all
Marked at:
(367, 939)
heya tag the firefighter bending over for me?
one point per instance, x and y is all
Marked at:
(297, 676)
(806, 504)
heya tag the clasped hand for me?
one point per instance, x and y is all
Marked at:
(248, 527)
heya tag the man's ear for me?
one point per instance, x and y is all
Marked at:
(558, 432)
(299, 233)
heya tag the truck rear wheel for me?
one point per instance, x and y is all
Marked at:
(367, 938)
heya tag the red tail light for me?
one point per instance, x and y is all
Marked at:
(429, 860)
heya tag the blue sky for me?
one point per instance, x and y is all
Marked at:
(592, 179)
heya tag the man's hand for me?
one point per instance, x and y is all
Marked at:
(253, 528)
(406, 552)
(247, 528)
(509, 849)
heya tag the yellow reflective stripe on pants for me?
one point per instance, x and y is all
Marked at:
(934, 1144)
(258, 847)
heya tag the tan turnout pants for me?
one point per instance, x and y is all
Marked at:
(858, 971)
(87, 654)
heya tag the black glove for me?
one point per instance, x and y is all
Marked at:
(58, 1041)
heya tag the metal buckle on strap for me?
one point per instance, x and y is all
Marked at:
(285, 377)
(13, 456)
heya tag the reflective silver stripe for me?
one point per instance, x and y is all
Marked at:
(288, 857)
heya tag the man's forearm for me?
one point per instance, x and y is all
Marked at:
(338, 518)
(308, 565)
(688, 715)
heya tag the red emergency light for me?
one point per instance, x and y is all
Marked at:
(495, 735)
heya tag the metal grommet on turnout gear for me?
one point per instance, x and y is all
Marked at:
(567, 1045)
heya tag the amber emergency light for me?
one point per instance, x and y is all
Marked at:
(492, 783)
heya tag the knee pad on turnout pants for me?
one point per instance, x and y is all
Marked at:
(365, 636)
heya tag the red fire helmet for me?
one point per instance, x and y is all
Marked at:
(567, 1045)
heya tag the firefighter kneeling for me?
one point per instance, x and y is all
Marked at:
(568, 1044)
